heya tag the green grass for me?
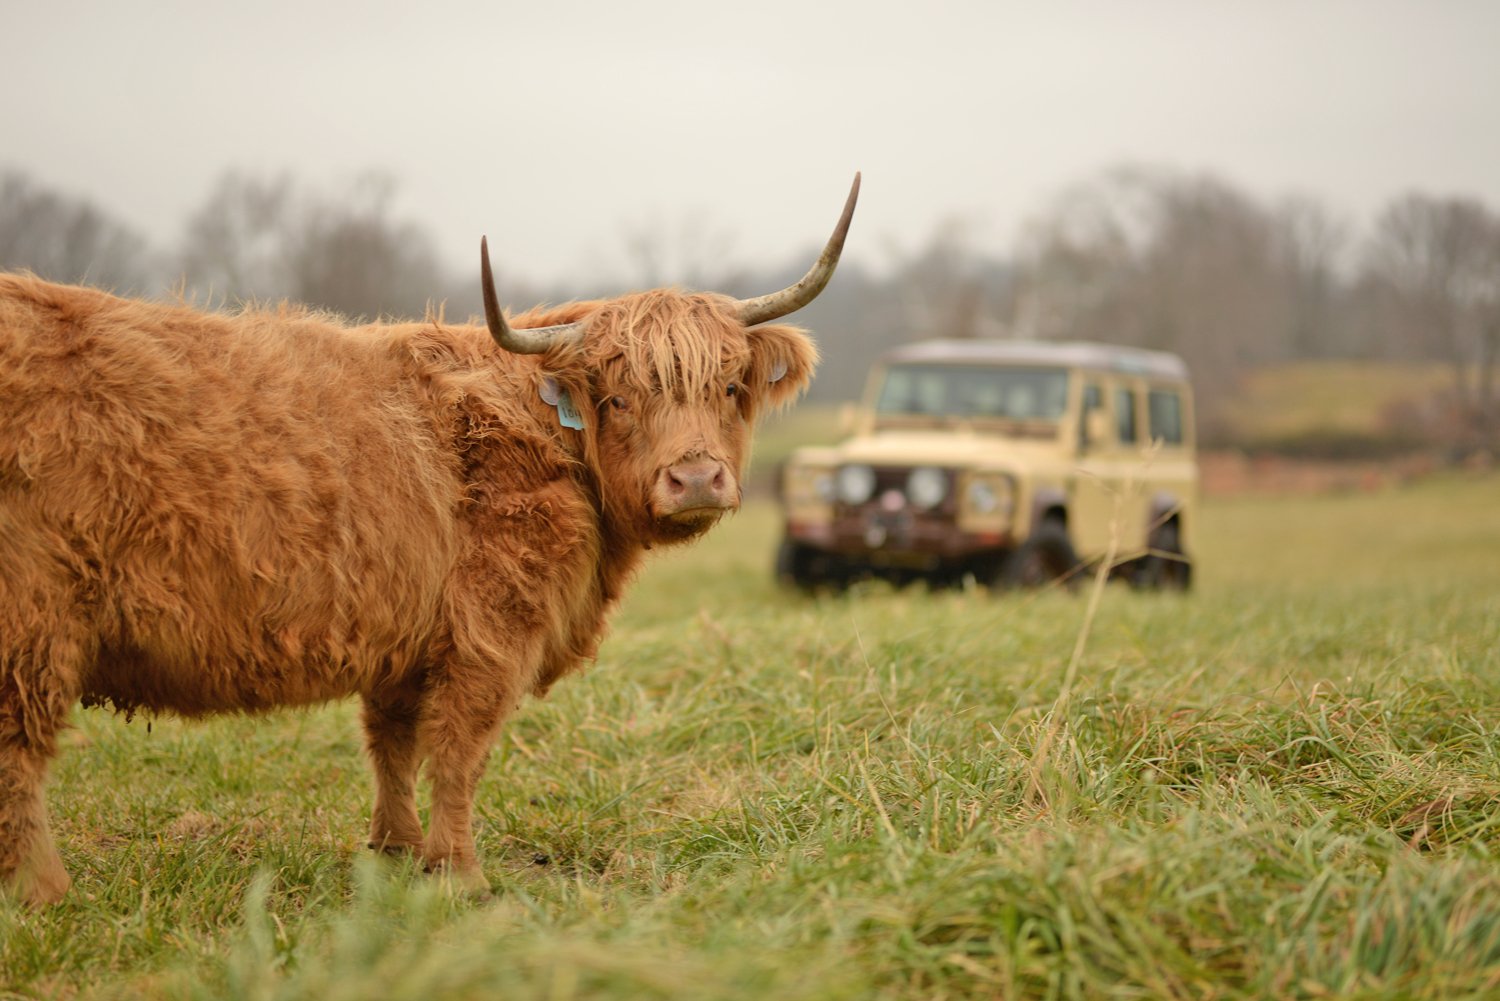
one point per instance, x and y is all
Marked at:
(1340, 407)
(1283, 785)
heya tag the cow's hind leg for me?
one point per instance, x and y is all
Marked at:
(391, 740)
(37, 687)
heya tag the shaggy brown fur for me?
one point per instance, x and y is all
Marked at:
(204, 513)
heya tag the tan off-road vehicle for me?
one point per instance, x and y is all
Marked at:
(1005, 463)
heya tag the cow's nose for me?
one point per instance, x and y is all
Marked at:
(700, 483)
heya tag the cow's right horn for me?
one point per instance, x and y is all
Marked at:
(788, 300)
(527, 340)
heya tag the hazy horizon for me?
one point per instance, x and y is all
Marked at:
(556, 129)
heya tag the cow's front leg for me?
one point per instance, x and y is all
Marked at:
(456, 732)
(34, 701)
(29, 863)
(391, 741)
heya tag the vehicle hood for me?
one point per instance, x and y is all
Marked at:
(949, 448)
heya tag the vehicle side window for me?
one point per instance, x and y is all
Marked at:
(1125, 415)
(1093, 399)
(1165, 409)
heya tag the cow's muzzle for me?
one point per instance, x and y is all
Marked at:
(695, 490)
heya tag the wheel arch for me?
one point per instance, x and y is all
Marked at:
(1166, 509)
(1048, 502)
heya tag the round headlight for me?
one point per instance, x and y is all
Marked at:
(927, 487)
(855, 484)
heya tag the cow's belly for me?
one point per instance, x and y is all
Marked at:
(291, 653)
(132, 679)
(212, 628)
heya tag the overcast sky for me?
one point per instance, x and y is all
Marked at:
(554, 126)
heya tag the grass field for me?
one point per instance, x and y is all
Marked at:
(1285, 785)
(1289, 401)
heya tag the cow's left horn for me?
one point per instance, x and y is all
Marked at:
(769, 307)
(527, 340)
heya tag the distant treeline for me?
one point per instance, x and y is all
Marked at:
(1182, 262)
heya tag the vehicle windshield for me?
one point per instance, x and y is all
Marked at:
(973, 392)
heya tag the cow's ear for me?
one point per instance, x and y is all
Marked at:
(782, 360)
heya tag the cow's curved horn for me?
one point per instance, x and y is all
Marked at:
(769, 307)
(526, 341)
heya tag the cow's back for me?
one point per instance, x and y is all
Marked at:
(240, 511)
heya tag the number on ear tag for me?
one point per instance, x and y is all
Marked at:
(567, 414)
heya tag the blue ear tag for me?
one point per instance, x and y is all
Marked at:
(567, 414)
(554, 395)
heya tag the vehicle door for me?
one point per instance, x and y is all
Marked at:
(1112, 483)
(1174, 470)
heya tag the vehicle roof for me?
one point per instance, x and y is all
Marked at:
(1073, 354)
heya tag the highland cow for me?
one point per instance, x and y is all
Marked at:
(204, 513)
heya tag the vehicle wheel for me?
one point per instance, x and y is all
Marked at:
(794, 565)
(1045, 557)
(1166, 567)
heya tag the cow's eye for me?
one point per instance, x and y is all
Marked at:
(732, 390)
(619, 403)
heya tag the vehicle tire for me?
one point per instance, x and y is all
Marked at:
(1166, 567)
(794, 565)
(1046, 557)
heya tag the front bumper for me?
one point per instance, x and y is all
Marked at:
(904, 539)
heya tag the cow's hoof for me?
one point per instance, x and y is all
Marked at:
(465, 882)
(41, 885)
(394, 849)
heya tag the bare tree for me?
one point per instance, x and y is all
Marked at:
(1212, 288)
(1437, 261)
(67, 239)
(265, 238)
(234, 245)
(351, 256)
(947, 289)
(690, 251)
(1160, 260)
(1077, 260)
(1309, 244)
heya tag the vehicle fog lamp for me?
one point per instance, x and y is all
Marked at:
(855, 484)
(927, 487)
